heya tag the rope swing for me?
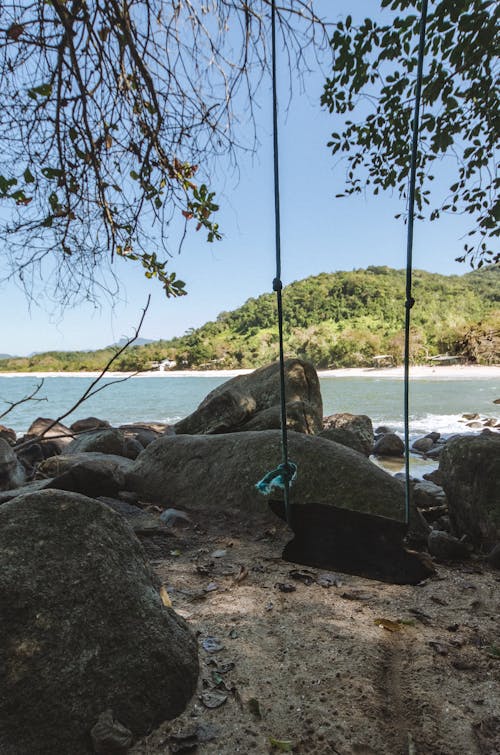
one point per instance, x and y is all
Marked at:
(284, 475)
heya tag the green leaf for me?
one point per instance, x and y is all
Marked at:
(28, 176)
(43, 90)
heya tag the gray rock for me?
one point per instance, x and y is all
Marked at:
(221, 471)
(30, 487)
(435, 476)
(426, 494)
(110, 737)
(12, 472)
(470, 415)
(422, 445)
(446, 547)
(232, 405)
(89, 423)
(57, 465)
(143, 433)
(383, 430)
(470, 470)
(301, 417)
(83, 628)
(344, 437)
(494, 557)
(142, 522)
(92, 477)
(105, 441)
(359, 424)
(8, 434)
(60, 435)
(389, 445)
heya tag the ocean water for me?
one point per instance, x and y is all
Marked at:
(436, 404)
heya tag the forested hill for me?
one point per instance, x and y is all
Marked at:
(341, 319)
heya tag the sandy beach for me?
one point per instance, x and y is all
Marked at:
(452, 372)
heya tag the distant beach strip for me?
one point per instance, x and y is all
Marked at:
(448, 372)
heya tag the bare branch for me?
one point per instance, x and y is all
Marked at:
(31, 397)
(92, 389)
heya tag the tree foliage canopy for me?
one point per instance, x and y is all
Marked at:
(110, 113)
(371, 92)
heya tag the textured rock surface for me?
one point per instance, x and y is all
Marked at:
(12, 473)
(57, 465)
(470, 471)
(89, 423)
(83, 628)
(230, 406)
(92, 478)
(60, 435)
(359, 424)
(104, 441)
(221, 471)
(389, 445)
(345, 438)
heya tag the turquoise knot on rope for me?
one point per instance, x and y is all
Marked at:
(278, 478)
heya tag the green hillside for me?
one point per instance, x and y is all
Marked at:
(340, 319)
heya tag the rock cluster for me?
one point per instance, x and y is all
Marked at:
(87, 644)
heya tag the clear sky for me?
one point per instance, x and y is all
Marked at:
(319, 234)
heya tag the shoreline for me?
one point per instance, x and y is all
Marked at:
(450, 372)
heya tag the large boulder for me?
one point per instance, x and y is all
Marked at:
(83, 628)
(241, 400)
(469, 468)
(8, 434)
(58, 434)
(389, 445)
(12, 472)
(145, 432)
(359, 425)
(220, 471)
(88, 423)
(58, 465)
(106, 441)
(93, 477)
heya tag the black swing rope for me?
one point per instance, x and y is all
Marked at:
(410, 301)
(284, 475)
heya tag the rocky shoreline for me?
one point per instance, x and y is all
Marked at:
(151, 478)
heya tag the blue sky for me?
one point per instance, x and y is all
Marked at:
(319, 234)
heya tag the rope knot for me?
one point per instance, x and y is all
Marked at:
(277, 284)
(284, 474)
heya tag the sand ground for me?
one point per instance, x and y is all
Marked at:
(452, 372)
(312, 662)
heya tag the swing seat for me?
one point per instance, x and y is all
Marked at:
(353, 542)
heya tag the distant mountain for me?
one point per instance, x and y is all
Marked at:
(137, 342)
(6, 356)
